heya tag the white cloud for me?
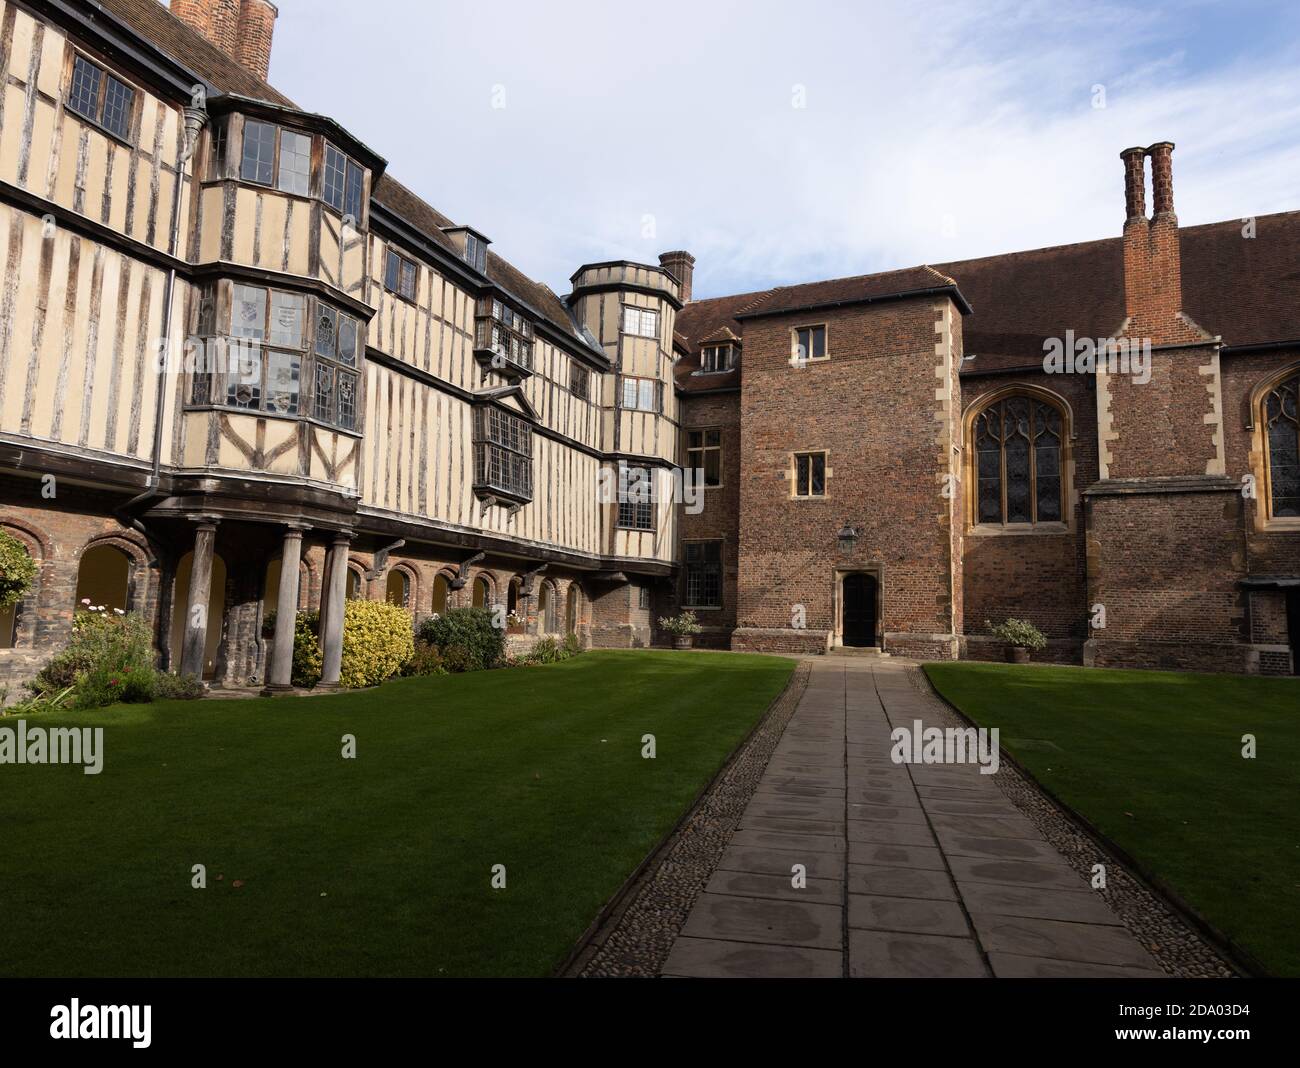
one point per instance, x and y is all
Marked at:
(930, 133)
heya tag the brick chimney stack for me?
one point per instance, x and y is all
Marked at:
(240, 28)
(1153, 276)
(681, 265)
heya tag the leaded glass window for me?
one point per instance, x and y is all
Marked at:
(1017, 444)
(1282, 426)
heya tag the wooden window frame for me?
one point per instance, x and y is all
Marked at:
(349, 163)
(390, 255)
(210, 388)
(687, 600)
(628, 514)
(812, 455)
(702, 448)
(658, 399)
(729, 359)
(795, 359)
(641, 313)
(106, 72)
(579, 380)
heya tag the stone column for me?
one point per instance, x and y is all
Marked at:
(332, 602)
(195, 635)
(279, 677)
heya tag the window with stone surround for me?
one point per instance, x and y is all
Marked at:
(810, 474)
(1018, 453)
(1282, 443)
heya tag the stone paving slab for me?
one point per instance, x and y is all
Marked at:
(909, 915)
(712, 958)
(889, 955)
(1089, 942)
(912, 870)
(822, 890)
(751, 919)
(1014, 966)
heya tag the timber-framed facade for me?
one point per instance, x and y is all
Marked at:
(233, 349)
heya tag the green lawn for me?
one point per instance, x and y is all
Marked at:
(375, 866)
(1153, 759)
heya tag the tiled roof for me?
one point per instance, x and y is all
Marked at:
(701, 321)
(1247, 290)
(154, 22)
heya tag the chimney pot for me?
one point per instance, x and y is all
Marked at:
(1135, 191)
(242, 29)
(1162, 177)
(681, 265)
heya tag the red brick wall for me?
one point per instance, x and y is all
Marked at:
(872, 408)
(1038, 575)
(720, 517)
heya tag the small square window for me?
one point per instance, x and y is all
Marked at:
(295, 163)
(399, 275)
(809, 344)
(258, 163)
(810, 474)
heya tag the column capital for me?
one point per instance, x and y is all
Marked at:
(343, 537)
(205, 522)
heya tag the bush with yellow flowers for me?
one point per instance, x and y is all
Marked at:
(378, 639)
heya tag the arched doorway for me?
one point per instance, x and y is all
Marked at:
(546, 619)
(861, 605)
(441, 594)
(482, 592)
(397, 589)
(216, 612)
(571, 610)
(104, 578)
(353, 591)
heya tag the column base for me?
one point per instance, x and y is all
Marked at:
(272, 689)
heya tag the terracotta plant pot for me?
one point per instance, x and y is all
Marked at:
(1017, 654)
(683, 641)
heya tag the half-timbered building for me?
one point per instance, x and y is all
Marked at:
(244, 371)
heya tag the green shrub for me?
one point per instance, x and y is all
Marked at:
(17, 570)
(547, 651)
(171, 687)
(307, 661)
(458, 658)
(1018, 632)
(108, 658)
(425, 661)
(377, 641)
(572, 644)
(681, 625)
(472, 630)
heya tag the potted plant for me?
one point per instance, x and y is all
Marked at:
(682, 627)
(1020, 636)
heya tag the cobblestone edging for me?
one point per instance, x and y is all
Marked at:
(1177, 946)
(635, 939)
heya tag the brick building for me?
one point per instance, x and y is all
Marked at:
(357, 390)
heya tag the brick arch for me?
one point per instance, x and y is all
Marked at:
(26, 610)
(1260, 447)
(970, 457)
(486, 576)
(553, 607)
(412, 584)
(138, 562)
(448, 575)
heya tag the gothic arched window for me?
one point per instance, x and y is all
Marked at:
(1282, 432)
(1018, 462)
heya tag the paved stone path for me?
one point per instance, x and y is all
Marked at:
(912, 870)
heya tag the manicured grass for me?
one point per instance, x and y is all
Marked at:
(375, 866)
(1154, 761)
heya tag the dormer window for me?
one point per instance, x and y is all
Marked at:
(476, 253)
(716, 358)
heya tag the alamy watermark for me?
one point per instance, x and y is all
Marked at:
(919, 744)
(54, 745)
(1087, 355)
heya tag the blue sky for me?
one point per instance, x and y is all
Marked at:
(574, 132)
